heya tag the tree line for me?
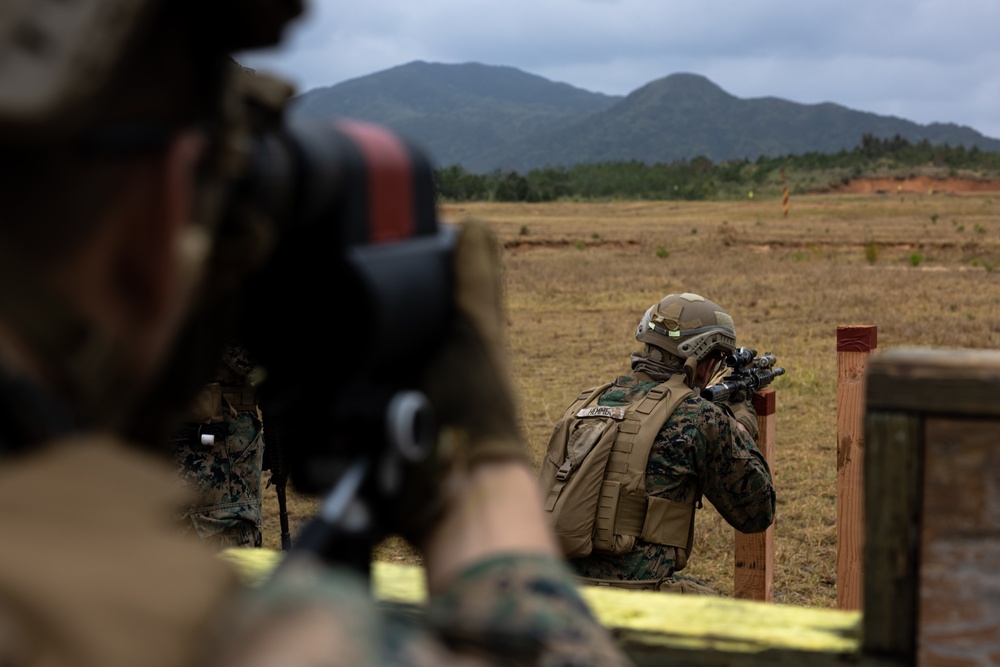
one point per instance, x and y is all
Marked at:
(701, 179)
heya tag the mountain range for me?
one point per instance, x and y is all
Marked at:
(488, 117)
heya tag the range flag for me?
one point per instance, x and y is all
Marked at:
(784, 194)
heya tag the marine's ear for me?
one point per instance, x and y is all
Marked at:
(150, 257)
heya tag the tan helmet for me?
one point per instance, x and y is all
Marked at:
(688, 326)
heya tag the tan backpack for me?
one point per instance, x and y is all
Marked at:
(593, 475)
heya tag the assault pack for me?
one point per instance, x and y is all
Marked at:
(593, 476)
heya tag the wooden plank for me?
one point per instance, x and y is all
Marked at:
(855, 344)
(932, 593)
(893, 464)
(938, 381)
(959, 616)
(753, 576)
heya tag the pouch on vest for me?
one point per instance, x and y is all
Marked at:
(593, 475)
(207, 405)
(573, 471)
(214, 403)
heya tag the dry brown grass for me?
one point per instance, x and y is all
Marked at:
(579, 276)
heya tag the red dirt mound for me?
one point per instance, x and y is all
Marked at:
(923, 184)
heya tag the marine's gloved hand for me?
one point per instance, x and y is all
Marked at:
(468, 381)
(468, 385)
(744, 413)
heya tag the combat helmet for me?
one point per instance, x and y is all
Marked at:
(687, 326)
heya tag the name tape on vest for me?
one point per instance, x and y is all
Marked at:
(617, 413)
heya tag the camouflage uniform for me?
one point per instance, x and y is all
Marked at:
(699, 450)
(226, 474)
(531, 610)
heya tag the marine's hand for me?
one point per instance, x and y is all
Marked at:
(468, 381)
(745, 416)
(468, 385)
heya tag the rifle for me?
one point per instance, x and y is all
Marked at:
(749, 374)
(275, 460)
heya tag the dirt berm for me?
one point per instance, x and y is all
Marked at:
(922, 184)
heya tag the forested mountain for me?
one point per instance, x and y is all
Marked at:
(457, 113)
(486, 117)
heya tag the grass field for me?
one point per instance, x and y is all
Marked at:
(923, 268)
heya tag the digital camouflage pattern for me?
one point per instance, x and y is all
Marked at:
(699, 451)
(531, 610)
(226, 474)
(227, 478)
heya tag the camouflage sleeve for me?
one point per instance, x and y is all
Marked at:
(736, 477)
(524, 610)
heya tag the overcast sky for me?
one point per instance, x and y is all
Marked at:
(922, 60)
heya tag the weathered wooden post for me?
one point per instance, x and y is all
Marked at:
(753, 578)
(932, 507)
(855, 344)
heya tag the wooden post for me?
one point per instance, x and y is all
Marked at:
(854, 346)
(753, 578)
(932, 479)
(892, 476)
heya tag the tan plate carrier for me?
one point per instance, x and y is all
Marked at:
(593, 475)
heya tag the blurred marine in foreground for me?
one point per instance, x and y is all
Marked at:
(128, 229)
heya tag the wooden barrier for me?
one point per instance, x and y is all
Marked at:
(753, 576)
(932, 556)
(855, 344)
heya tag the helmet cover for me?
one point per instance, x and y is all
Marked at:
(687, 326)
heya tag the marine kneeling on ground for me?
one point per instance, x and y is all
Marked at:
(629, 461)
